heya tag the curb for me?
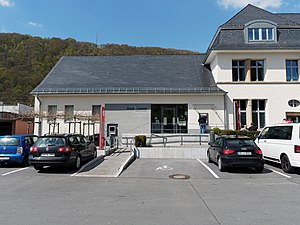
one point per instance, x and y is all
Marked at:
(125, 164)
(88, 164)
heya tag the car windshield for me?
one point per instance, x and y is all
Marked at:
(240, 143)
(50, 141)
(10, 141)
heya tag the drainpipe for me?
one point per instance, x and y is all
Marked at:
(39, 112)
(225, 114)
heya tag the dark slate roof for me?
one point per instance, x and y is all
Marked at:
(251, 12)
(230, 36)
(129, 74)
(290, 16)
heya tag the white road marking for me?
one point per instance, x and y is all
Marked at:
(165, 167)
(15, 171)
(209, 169)
(282, 174)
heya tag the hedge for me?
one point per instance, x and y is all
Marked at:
(251, 134)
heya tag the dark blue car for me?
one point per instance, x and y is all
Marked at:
(15, 148)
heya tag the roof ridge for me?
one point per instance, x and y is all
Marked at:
(249, 6)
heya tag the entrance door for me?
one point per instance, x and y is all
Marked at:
(169, 120)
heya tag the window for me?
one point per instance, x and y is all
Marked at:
(258, 113)
(291, 70)
(257, 70)
(241, 106)
(278, 132)
(69, 112)
(96, 112)
(294, 103)
(238, 70)
(52, 111)
(260, 34)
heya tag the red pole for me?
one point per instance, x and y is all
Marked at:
(101, 127)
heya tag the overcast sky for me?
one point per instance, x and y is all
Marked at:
(180, 24)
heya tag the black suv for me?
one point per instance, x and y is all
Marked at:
(235, 151)
(61, 149)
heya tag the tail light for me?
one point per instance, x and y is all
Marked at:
(33, 149)
(297, 149)
(258, 152)
(19, 150)
(64, 149)
(228, 151)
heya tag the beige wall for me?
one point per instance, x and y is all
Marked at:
(139, 121)
(274, 89)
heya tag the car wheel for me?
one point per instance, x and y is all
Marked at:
(77, 164)
(208, 157)
(286, 165)
(259, 169)
(38, 167)
(221, 166)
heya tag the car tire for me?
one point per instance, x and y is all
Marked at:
(208, 157)
(286, 165)
(77, 163)
(221, 166)
(259, 169)
(38, 167)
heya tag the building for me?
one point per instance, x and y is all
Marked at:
(249, 74)
(141, 94)
(254, 57)
(16, 119)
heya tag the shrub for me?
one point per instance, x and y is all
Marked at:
(140, 140)
(251, 134)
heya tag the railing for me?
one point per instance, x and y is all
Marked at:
(164, 139)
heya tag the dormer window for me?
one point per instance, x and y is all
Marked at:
(260, 34)
(260, 31)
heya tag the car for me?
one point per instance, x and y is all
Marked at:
(61, 150)
(280, 143)
(235, 151)
(14, 149)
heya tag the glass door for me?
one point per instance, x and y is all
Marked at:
(169, 120)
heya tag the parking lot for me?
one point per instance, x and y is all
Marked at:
(151, 191)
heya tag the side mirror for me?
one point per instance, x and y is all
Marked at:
(209, 143)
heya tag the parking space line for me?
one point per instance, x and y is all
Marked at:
(282, 174)
(15, 171)
(209, 169)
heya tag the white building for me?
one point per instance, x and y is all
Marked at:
(249, 74)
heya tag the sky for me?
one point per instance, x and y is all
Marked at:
(179, 24)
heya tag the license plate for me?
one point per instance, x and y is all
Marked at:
(48, 154)
(4, 158)
(244, 153)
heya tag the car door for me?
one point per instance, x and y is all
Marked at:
(85, 147)
(215, 146)
(76, 147)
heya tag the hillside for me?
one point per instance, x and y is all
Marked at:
(26, 60)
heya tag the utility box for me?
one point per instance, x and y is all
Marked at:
(112, 133)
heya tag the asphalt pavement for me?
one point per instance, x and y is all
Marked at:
(149, 192)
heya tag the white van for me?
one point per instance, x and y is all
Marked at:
(281, 143)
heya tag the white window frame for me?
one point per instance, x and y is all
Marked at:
(260, 34)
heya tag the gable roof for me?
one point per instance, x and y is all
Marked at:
(129, 75)
(231, 35)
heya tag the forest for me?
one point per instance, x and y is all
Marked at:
(25, 60)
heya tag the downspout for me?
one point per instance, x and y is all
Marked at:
(39, 122)
(225, 114)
